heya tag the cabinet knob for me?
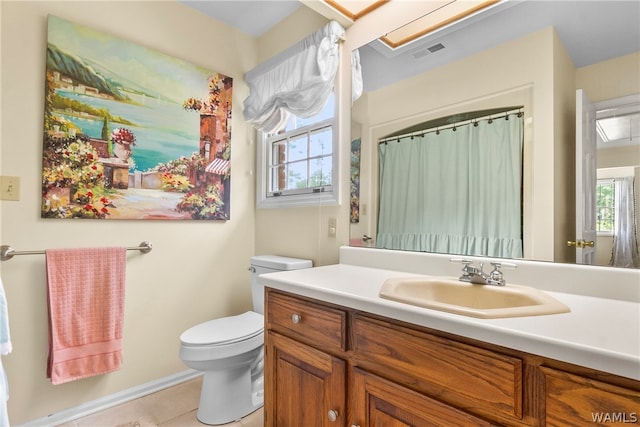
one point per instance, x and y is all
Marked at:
(296, 318)
(332, 415)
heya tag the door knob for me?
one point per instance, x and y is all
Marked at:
(581, 243)
(332, 415)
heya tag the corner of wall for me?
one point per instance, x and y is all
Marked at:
(564, 150)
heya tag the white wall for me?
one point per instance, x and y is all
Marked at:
(196, 271)
(303, 231)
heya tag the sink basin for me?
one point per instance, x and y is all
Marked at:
(483, 301)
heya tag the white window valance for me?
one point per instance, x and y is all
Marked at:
(297, 81)
(357, 85)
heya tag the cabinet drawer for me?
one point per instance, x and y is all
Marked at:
(384, 403)
(301, 319)
(572, 397)
(476, 380)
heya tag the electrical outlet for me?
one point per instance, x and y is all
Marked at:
(9, 188)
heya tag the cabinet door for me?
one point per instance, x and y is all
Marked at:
(303, 386)
(376, 402)
(575, 400)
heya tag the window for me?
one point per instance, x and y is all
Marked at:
(297, 164)
(605, 206)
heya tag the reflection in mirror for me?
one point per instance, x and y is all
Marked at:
(455, 188)
(531, 69)
(618, 175)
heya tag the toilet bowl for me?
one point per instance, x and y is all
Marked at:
(230, 352)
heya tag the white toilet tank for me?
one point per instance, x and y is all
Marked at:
(270, 264)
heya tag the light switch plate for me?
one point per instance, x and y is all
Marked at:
(332, 227)
(9, 188)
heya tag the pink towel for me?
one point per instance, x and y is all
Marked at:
(85, 293)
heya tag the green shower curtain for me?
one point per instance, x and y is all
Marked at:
(454, 191)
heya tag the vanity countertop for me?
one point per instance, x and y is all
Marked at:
(598, 333)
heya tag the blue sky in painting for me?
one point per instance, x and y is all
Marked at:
(133, 65)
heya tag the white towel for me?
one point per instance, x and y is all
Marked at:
(5, 337)
(5, 348)
(4, 396)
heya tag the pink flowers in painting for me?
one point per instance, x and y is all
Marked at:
(123, 136)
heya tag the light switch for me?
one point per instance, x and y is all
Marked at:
(9, 188)
(332, 227)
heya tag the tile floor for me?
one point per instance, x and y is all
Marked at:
(173, 407)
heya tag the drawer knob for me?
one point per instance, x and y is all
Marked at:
(332, 415)
(296, 318)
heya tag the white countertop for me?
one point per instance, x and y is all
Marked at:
(598, 333)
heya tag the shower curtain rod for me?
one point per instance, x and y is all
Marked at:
(451, 125)
(7, 252)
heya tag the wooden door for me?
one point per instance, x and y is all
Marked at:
(304, 386)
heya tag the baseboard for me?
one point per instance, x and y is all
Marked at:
(111, 400)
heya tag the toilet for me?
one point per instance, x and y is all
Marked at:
(230, 352)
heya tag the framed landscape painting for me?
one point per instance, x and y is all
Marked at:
(131, 133)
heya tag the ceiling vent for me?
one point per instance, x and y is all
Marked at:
(435, 47)
(424, 52)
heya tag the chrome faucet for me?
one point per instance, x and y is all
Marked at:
(476, 275)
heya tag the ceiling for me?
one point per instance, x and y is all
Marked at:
(591, 30)
(254, 17)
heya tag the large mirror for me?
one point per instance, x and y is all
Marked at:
(533, 54)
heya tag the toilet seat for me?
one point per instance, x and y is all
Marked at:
(226, 330)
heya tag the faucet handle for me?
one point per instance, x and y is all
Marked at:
(500, 264)
(496, 277)
(467, 269)
(464, 261)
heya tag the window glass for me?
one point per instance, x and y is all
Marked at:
(298, 148)
(605, 206)
(320, 142)
(301, 156)
(320, 174)
(297, 175)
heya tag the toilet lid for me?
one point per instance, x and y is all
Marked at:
(225, 330)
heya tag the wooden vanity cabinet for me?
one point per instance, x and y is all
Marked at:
(328, 366)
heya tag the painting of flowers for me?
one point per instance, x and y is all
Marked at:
(131, 133)
(355, 180)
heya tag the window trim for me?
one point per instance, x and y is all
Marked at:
(327, 195)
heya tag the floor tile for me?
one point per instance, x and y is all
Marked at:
(175, 406)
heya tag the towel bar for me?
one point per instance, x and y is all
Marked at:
(7, 252)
